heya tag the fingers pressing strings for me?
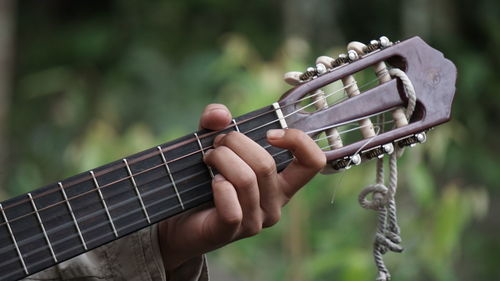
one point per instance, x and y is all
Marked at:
(223, 119)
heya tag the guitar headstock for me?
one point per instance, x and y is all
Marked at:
(431, 75)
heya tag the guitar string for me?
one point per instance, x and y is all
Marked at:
(135, 161)
(198, 173)
(181, 157)
(71, 224)
(91, 191)
(246, 132)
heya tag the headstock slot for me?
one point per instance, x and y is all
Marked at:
(350, 132)
(335, 91)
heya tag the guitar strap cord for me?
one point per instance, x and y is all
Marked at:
(387, 236)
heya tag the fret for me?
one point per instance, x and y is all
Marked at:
(58, 222)
(131, 194)
(14, 239)
(280, 115)
(123, 194)
(236, 126)
(9, 257)
(171, 176)
(203, 153)
(104, 202)
(189, 171)
(136, 189)
(73, 216)
(43, 227)
(88, 209)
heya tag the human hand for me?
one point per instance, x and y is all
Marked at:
(248, 193)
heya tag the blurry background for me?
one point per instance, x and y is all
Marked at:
(86, 82)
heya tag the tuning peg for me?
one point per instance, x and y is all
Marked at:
(357, 47)
(385, 42)
(352, 55)
(412, 140)
(292, 78)
(346, 162)
(378, 152)
(325, 60)
(321, 68)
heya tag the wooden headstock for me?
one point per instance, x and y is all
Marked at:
(433, 78)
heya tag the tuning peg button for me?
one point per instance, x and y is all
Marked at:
(346, 162)
(412, 140)
(385, 42)
(320, 68)
(353, 55)
(325, 60)
(292, 78)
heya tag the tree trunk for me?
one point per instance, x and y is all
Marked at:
(7, 15)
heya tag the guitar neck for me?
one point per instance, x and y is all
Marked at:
(70, 217)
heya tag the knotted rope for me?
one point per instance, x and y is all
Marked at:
(387, 236)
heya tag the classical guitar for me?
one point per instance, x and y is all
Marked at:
(67, 218)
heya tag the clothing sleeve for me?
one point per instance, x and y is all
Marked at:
(136, 257)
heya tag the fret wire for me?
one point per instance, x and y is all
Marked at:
(203, 153)
(73, 215)
(100, 237)
(246, 120)
(173, 146)
(43, 227)
(136, 189)
(157, 202)
(98, 188)
(214, 132)
(236, 126)
(171, 176)
(154, 203)
(104, 203)
(165, 163)
(14, 239)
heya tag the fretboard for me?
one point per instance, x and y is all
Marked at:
(70, 217)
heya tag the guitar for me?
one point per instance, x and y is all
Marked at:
(64, 219)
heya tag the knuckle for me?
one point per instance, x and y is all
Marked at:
(272, 218)
(252, 229)
(247, 179)
(319, 161)
(266, 167)
(233, 219)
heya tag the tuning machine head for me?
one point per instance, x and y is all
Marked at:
(412, 140)
(378, 152)
(346, 162)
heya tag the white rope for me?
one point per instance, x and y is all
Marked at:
(387, 236)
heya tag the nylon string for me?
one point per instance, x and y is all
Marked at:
(172, 160)
(71, 224)
(150, 192)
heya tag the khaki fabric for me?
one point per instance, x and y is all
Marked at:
(136, 257)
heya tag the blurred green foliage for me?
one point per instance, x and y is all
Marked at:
(96, 80)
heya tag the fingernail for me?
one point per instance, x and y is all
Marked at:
(207, 152)
(218, 178)
(218, 139)
(275, 134)
(220, 111)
